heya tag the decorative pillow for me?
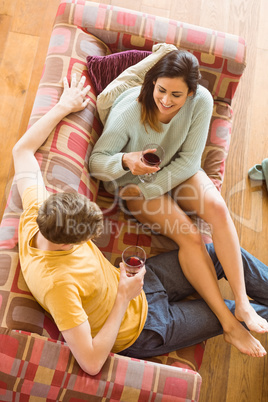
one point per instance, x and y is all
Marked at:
(104, 69)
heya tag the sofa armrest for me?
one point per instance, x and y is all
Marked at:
(32, 365)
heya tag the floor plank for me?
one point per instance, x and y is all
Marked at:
(5, 22)
(23, 20)
(8, 7)
(215, 14)
(25, 37)
(180, 11)
(15, 76)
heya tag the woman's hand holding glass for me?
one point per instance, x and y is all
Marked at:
(133, 161)
(152, 155)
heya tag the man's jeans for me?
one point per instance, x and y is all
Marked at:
(173, 322)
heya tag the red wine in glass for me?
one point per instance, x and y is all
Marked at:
(134, 258)
(151, 159)
(152, 155)
(134, 262)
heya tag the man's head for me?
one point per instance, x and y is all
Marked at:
(69, 218)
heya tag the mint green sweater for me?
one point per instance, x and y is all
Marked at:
(183, 140)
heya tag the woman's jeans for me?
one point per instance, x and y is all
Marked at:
(173, 322)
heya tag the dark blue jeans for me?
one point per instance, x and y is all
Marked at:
(173, 322)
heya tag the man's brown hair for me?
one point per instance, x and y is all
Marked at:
(69, 218)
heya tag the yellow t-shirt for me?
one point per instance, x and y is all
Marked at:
(77, 284)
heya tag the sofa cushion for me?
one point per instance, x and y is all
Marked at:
(104, 69)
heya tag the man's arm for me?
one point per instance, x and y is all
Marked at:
(27, 171)
(91, 353)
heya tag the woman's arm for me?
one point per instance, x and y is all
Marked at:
(105, 162)
(109, 160)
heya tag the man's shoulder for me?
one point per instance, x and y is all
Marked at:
(32, 199)
(34, 196)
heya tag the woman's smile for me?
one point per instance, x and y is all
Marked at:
(166, 106)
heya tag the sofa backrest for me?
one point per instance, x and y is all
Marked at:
(222, 56)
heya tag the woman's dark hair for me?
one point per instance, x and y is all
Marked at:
(178, 63)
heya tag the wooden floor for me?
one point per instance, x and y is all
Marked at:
(25, 27)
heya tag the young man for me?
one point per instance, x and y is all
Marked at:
(98, 308)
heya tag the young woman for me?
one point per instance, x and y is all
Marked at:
(174, 111)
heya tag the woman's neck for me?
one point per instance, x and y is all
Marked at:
(166, 118)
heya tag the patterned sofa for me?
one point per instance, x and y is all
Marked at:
(35, 363)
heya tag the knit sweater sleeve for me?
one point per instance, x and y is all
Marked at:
(105, 162)
(188, 158)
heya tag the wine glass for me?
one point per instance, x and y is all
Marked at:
(152, 155)
(134, 258)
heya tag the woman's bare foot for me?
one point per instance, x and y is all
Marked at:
(239, 337)
(245, 312)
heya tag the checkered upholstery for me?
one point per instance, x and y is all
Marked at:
(34, 361)
(35, 368)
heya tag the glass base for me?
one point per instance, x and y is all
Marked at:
(147, 178)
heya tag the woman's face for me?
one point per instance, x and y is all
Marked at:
(170, 95)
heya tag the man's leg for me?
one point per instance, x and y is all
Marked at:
(255, 273)
(166, 287)
(174, 323)
(187, 323)
(168, 271)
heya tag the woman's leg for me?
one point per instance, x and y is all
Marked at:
(199, 195)
(196, 264)
(191, 321)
